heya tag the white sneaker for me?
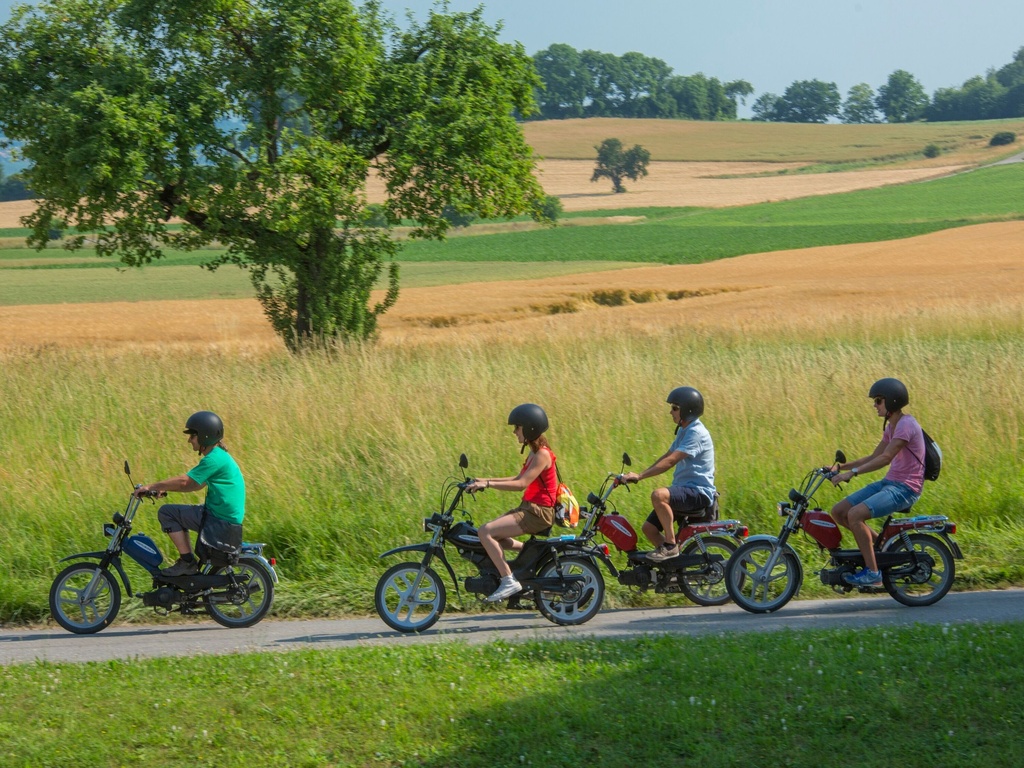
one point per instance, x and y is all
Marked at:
(507, 587)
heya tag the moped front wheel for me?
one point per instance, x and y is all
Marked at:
(84, 598)
(581, 602)
(247, 603)
(754, 586)
(928, 580)
(410, 597)
(707, 586)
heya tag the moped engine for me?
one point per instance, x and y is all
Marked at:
(639, 576)
(833, 577)
(481, 585)
(164, 597)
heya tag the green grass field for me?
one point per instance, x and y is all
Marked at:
(670, 236)
(917, 695)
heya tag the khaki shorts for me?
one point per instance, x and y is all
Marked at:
(533, 518)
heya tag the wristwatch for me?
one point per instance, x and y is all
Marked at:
(853, 471)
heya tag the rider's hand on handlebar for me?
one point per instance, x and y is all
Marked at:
(841, 477)
(476, 485)
(145, 492)
(628, 477)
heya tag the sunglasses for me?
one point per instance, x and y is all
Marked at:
(675, 407)
(879, 400)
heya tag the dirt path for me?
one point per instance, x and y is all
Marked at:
(962, 271)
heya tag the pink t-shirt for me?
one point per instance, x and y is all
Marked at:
(907, 466)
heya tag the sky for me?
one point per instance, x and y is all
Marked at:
(768, 43)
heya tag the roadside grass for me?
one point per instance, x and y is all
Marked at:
(344, 453)
(944, 695)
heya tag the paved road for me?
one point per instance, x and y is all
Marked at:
(131, 641)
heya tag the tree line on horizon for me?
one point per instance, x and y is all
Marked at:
(595, 84)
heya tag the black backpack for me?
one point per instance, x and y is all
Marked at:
(932, 457)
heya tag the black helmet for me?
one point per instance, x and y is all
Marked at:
(207, 425)
(531, 418)
(893, 391)
(689, 400)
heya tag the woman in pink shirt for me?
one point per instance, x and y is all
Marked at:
(902, 450)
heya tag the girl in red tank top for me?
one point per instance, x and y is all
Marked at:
(538, 479)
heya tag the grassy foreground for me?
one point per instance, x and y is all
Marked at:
(919, 695)
(344, 454)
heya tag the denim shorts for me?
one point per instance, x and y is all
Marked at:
(685, 501)
(884, 497)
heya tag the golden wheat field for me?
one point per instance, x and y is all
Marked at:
(959, 273)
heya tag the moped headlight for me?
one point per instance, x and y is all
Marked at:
(783, 508)
(108, 530)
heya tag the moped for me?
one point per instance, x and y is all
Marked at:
(559, 574)
(698, 572)
(916, 555)
(235, 587)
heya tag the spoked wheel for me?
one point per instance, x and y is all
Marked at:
(707, 587)
(581, 602)
(84, 598)
(753, 586)
(410, 597)
(246, 604)
(928, 580)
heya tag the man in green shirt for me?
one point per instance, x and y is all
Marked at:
(218, 473)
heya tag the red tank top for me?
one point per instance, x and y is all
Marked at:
(542, 490)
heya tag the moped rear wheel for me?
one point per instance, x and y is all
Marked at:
(408, 600)
(756, 589)
(84, 598)
(583, 599)
(707, 587)
(929, 580)
(247, 604)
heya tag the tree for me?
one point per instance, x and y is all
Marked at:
(808, 101)
(255, 123)
(765, 108)
(902, 99)
(859, 106)
(615, 164)
(564, 78)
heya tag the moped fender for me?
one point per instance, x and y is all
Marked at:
(100, 556)
(407, 548)
(437, 552)
(774, 541)
(764, 537)
(595, 553)
(264, 562)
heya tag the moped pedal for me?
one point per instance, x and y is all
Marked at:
(515, 603)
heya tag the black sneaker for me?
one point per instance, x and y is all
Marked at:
(665, 552)
(181, 568)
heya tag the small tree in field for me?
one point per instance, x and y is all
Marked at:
(615, 164)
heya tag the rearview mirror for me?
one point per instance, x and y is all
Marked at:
(626, 460)
(463, 461)
(127, 470)
(840, 457)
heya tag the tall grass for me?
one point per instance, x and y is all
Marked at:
(345, 452)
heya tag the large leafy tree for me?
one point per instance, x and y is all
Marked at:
(256, 124)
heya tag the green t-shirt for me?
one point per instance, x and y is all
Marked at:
(225, 488)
